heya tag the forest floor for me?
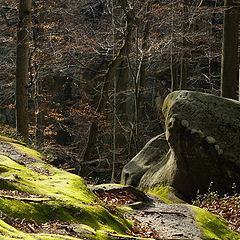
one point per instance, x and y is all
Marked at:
(153, 218)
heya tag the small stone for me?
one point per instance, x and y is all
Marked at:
(210, 139)
(220, 152)
(185, 123)
(217, 147)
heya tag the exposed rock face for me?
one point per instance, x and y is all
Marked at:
(203, 132)
(148, 157)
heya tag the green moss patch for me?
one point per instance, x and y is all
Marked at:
(49, 194)
(165, 193)
(213, 226)
(11, 140)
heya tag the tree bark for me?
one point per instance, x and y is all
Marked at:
(140, 79)
(229, 71)
(173, 66)
(22, 67)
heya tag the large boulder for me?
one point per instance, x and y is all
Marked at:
(203, 132)
(148, 157)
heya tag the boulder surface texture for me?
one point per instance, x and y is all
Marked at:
(149, 156)
(203, 134)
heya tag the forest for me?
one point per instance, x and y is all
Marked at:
(95, 73)
(139, 92)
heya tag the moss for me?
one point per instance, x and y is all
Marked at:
(101, 219)
(11, 140)
(63, 196)
(213, 227)
(38, 211)
(9, 233)
(53, 237)
(25, 150)
(95, 216)
(169, 100)
(62, 185)
(165, 193)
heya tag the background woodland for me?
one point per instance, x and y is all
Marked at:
(98, 71)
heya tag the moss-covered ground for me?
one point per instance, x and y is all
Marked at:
(32, 190)
(36, 192)
(213, 226)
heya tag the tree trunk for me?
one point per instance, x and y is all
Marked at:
(22, 67)
(113, 68)
(145, 47)
(173, 66)
(183, 60)
(140, 80)
(229, 71)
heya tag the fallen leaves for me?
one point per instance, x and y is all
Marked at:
(144, 230)
(122, 197)
(228, 207)
(140, 228)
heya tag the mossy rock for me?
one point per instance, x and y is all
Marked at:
(213, 227)
(166, 194)
(203, 134)
(33, 190)
(199, 148)
(150, 156)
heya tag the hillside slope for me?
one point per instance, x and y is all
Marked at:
(41, 202)
(34, 193)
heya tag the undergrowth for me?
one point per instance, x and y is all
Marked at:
(7, 131)
(10, 132)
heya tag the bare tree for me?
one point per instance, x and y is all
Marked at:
(229, 71)
(22, 67)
